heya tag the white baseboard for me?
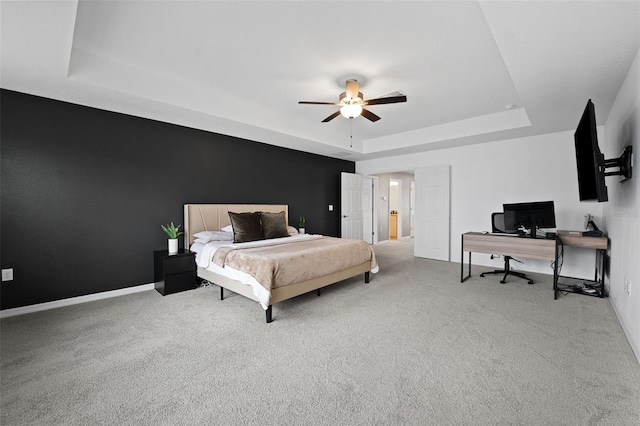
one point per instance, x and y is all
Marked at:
(74, 300)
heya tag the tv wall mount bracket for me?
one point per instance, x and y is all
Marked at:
(624, 164)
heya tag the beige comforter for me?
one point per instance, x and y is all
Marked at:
(282, 264)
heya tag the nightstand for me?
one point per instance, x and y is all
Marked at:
(174, 272)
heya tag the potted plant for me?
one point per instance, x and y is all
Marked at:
(173, 232)
(301, 224)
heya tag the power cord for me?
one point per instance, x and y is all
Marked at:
(560, 257)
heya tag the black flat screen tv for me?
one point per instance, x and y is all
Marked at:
(589, 159)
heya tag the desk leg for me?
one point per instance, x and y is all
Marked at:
(600, 269)
(462, 277)
(555, 273)
(462, 259)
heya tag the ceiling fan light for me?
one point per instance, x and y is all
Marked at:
(351, 110)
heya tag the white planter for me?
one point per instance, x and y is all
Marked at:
(173, 245)
(301, 230)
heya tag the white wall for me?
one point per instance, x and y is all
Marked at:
(485, 176)
(622, 212)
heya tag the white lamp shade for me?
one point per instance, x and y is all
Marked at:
(351, 110)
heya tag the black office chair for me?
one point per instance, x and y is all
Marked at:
(497, 227)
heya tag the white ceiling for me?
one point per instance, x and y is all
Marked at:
(239, 67)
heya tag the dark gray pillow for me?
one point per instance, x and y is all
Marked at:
(274, 225)
(246, 227)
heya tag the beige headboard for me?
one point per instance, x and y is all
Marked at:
(212, 217)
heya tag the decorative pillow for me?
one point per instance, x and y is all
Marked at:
(207, 236)
(246, 227)
(291, 230)
(274, 225)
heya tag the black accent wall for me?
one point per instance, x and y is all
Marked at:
(84, 192)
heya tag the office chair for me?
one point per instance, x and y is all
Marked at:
(498, 227)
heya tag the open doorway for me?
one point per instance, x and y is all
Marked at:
(387, 201)
(395, 206)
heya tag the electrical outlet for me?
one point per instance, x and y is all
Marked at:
(7, 274)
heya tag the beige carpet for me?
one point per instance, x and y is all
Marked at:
(415, 346)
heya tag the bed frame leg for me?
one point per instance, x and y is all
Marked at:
(221, 293)
(366, 277)
(269, 317)
(318, 292)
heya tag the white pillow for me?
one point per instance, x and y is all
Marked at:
(291, 230)
(206, 236)
(201, 241)
(228, 229)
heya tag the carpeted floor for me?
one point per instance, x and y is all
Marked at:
(414, 347)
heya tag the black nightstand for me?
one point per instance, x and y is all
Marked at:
(174, 272)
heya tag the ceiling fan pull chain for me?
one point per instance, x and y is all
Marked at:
(351, 133)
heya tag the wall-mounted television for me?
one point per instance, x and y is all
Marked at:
(591, 163)
(589, 159)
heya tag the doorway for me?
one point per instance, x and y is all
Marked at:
(386, 201)
(395, 207)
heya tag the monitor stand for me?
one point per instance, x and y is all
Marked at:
(523, 232)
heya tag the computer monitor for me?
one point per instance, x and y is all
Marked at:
(531, 216)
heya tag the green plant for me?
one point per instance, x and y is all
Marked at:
(172, 230)
(301, 222)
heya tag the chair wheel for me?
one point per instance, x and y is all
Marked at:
(482, 275)
(503, 282)
(530, 282)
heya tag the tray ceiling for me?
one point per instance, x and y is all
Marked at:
(473, 71)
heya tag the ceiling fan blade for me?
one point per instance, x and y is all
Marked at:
(317, 103)
(369, 115)
(331, 117)
(387, 100)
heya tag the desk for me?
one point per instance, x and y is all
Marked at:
(507, 245)
(538, 248)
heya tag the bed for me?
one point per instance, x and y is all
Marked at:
(287, 269)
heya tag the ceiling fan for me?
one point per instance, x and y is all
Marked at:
(352, 103)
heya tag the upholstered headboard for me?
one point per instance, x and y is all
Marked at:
(212, 217)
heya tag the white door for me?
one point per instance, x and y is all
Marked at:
(367, 209)
(351, 206)
(432, 212)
